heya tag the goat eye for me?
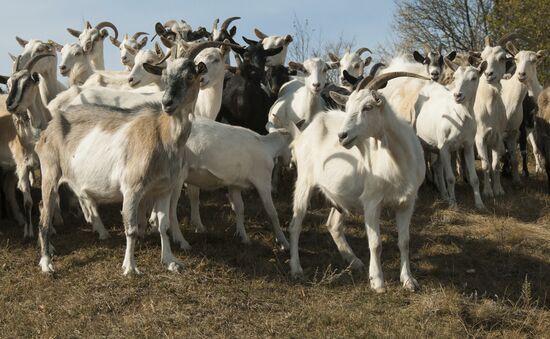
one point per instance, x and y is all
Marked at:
(367, 108)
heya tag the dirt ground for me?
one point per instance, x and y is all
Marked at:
(481, 274)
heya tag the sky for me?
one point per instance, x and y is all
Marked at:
(366, 22)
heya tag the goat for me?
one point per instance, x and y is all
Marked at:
(138, 158)
(247, 161)
(91, 40)
(402, 94)
(386, 167)
(244, 102)
(129, 48)
(542, 131)
(352, 64)
(445, 123)
(490, 114)
(300, 99)
(272, 42)
(50, 87)
(224, 32)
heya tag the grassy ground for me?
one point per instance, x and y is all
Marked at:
(481, 275)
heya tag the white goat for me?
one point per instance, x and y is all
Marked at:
(446, 123)
(91, 40)
(387, 168)
(300, 99)
(352, 63)
(275, 41)
(247, 160)
(109, 155)
(129, 46)
(490, 114)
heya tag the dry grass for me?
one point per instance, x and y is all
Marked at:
(481, 275)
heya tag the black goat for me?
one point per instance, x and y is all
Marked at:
(244, 102)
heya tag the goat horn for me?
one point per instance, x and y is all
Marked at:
(16, 64)
(192, 52)
(380, 80)
(363, 50)
(510, 47)
(509, 37)
(259, 34)
(227, 21)
(215, 24)
(104, 24)
(34, 60)
(138, 34)
(115, 41)
(427, 49)
(374, 69)
(87, 24)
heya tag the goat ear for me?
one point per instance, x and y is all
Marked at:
(297, 66)
(35, 77)
(333, 57)
(273, 51)
(201, 68)
(482, 67)
(166, 42)
(259, 34)
(350, 78)
(233, 31)
(153, 69)
(418, 57)
(3, 79)
(451, 56)
(250, 42)
(333, 65)
(130, 49)
(159, 29)
(74, 32)
(158, 50)
(450, 64)
(21, 42)
(238, 60)
(300, 123)
(13, 57)
(239, 50)
(367, 61)
(143, 42)
(292, 72)
(541, 55)
(340, 99)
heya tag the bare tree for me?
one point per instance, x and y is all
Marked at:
(456, 24)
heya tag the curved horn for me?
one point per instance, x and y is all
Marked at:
(227, 21)
(104, 24)
(380, 80)
(374, 69)
(34, 60)
(87, 24)
(138, 34)
(363, 50)
(115, 41)
(509, 37)
(215, 24)
(21, 42)
(511, 48)
(192, 52)
(259, 34)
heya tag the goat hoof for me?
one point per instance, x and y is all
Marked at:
(105, 235)
(129, 270)
(297, 274)
(481, 207)
(46, 265)
(411, 284)
(175, 266)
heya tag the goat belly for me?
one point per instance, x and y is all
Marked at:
(98, 164)
(203, 179)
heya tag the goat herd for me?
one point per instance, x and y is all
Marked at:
(182, 116)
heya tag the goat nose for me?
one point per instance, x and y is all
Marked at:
(316, 85)
(130, 80)
(342, 135)
(489, 73)
(168, 103)
(522, 74)
(62, 67)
